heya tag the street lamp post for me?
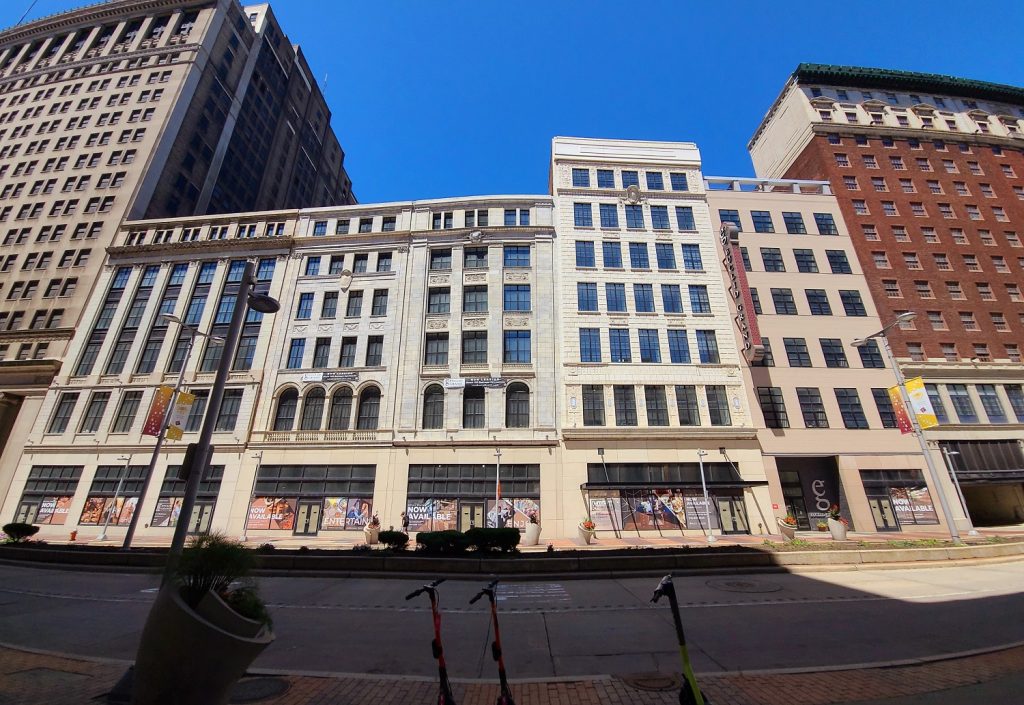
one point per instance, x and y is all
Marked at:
(497, 486)
(252, 491)
(193, 332)
(707, 502)
(246, 299)
(904, 395)
(948, 455)
(117, 493)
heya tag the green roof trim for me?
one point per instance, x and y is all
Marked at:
(861, 77)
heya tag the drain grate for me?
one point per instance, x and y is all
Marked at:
(254, 690)
(653, 682)
(748, 586)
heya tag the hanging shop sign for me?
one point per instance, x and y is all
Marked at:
(746, 319)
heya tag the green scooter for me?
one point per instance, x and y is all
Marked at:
(690, 693)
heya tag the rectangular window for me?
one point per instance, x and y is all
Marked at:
(347, 358)
(638, 255)
(794, 223)
(616, 297)
(657, 406)
(473, 407)
(850, 408)
(783, 300)
(699, 301)
(832, 349)
(439, 300)
(991, 404)
(94, 412)
(643, 298)
(380, 303)
(772, 259)
(838, 262)
(811, 407)
(230, 404)
(718, 405)
(884, 406)
(329, 308)
(583, 215)
(1015, 393)
(517, 297)
(707, 347)
(659, 218)
(630, 178)
(671, 300)
(634, 217)
(586, 296)
(678, 181)
(805, 261)
(590, 345)
(619, 345)
(605, 178)
(826, 224)
(374, 350)
(474, 299)
(686, 405)
(609, 215)
(296, 350)
(62, 412)
(593, 405)
(321, 352)
(441, 259)
(655, 181)
(762, 221)
(678, 347)
(962, 403)
(650, 346)
(684, 218)
(354, 308)
(517, 255)
(852, 303)
(665, 255)
(691, 258)
(304, 311)
(475, 258)
(474, 347)
(796, 351)
(517, 347)
(585, 254)
(625, 405)
(817, 301)
(436, 349)
(870, 356)
(773, 407)
(581, 178)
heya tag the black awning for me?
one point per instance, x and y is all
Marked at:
(728, 485)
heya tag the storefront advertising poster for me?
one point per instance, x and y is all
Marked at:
(700, 514)
(166, 512)
(335, 509)
(512, 513)
(53, 510)
(358, 513)
(128, 507)
(273, 513)
(913, 505)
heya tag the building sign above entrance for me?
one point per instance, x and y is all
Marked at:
(462, 382)
(330, 377)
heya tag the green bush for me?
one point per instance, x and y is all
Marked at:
(484, 539)
(246, 601)
(395, 540)
(211, 562)
(18, 532)
(442, 541)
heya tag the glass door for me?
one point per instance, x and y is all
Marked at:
(883, 514)
(27, 513)
(202, 514)
(307, 521)
(732, 512)
(471, 514)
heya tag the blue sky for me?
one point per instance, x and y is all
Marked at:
(434, 99)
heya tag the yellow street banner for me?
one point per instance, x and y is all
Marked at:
(179, 414)
(920, 404)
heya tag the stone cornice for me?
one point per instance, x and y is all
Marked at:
(201, 247)
(924, 135)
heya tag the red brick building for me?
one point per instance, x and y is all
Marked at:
(929, 174)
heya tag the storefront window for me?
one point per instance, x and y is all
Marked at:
(101, 501)
(306, 499)
(462, 496)
(48, 493)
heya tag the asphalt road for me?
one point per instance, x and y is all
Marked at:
(563, 628)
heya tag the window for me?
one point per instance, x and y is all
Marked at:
(811, 407)
(655, 181)
(619, 345)
(593, 405)
(630, 178)
(885, 410)
(842, 159)
(678, 347)
(605, 178)
(657, 406)
(440, 259)
(517, 347)
(583, 216)
(62, 412)
(517, 406)
(699, 301)
(312, 266)
(796, 351)
(850, 183)
(585, 254)
(616, 297)
(691, 258)
(860, 207)
(783, 300)
(586, 296)
(671, 300)
(707, 347)
(718, 405)
(638, 255)
(1015, 393)
(684, 218)
(773, 407)
(878, 183)
(369, 408)
(762, 221)
(433, 407)
(517, 297)
(590, 345)
(817, 300)
(609, 215)
(474, 407)
(287, 405)
(439, 300)
(634, 217)
(625, 405)
(838, 262)
(826, 224)
(832, 349)
(475, 258)
(643, 298)
(870, 356)
(304, 310)
(962, 403)
(611, 254)
(678, 182)
(517, 255)
(380, 303)
(354, 307)
(666, 256)
(850, 408)
(94, 412)
(659, 218)
(650, 346)
(474, 299)
(581, 178)
(991, 403)
(296, 350)
(727, 215)
(853, 305)
(772, 259)
(321, 352)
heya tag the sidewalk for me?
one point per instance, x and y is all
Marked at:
(29, 678)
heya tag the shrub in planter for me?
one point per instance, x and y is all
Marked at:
(210, 563)
(485, 539)
(442, 541)
(395, 540)
(18, 532)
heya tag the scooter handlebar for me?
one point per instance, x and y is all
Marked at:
(426, 588)
(663, 588)
(489, 590)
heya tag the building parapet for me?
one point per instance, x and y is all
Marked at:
(755, 185)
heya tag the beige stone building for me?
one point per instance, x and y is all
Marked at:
(130, 109)
(827, 429)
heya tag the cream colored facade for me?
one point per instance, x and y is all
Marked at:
(811, 302)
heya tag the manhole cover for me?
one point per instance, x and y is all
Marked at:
(731, 585)
(655, 682)
(253, 690)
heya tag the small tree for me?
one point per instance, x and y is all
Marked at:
(18, 532)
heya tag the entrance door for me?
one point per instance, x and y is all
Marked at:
(471, 514)
(733, 514)
(27, 513)
(307, 520)
(202, 514)
(883, 514)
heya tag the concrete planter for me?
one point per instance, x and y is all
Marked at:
(371, 534)
(531, 537)
(788, 531)
(586, 535)
(838, 529)
(194, 657)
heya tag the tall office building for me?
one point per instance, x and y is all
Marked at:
(929, 174)
(129, 109)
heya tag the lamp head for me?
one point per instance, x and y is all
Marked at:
(906, 316)
(263, 303)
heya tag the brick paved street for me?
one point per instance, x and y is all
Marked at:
(34, 679)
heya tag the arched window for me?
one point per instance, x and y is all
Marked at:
(369, 408)
(517, 406)
(312, 410)
(433, 407)
(341, 409)
(286, 405)
(474, 407)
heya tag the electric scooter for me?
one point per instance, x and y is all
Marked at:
(690, 693)
(505, 697)
(444, 697)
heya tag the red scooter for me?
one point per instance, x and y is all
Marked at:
(690, 693)
(505, 697)
(444, 697)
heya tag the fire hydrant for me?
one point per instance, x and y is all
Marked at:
(74, 535)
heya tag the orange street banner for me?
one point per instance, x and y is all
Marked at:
(155, 420)
(179, 414)
(898, 408)
(920, 404)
